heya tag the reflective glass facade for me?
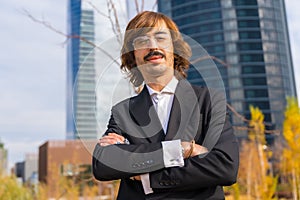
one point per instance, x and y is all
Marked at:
(251, 36)
(81, 98)
(92, 62)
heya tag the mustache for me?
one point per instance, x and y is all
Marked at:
(153, 53)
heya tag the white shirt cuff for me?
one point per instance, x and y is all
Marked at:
(145, 178)
(172, 153)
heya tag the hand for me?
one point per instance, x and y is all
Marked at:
(197, 150)
(136, 178)
(111, 138)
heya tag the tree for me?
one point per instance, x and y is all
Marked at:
(10, 189)
(291, 154)
(255, 170)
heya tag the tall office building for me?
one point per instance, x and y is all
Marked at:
(91, 78)
(81, 98)
(251, 37)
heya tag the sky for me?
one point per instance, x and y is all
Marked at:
(33, 73)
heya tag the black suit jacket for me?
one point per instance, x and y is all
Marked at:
(197, 113)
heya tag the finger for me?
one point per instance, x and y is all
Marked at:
(103, 144)
(110, 137)
(108, 140)
(111, 140)
(120, 137)
(114, 138)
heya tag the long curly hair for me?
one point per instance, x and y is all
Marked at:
(142, 23)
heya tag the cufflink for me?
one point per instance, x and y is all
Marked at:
(126, 141)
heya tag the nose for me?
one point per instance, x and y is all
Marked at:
(153, 43)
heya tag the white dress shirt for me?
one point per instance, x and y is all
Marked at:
(172, 153)
(163, 101)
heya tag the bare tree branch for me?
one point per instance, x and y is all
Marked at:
(117, 24)
(49, 26)
(237, 114)
(43, 22)
(241, 128)
(125, 16)
(245, 128)
(96, 9)
(275, 132)
(210, 57)
(154, 5)
(142, 5)
(137, 6)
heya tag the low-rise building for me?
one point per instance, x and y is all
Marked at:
(68, 160)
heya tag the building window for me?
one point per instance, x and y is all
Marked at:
(244, 2)
(249, 46)
(256, 93)
(248, 23)
(254, 81)
(203, 28)
(251, 58)
(263, 105)
(258, 69)
(247, 12)
(68, 169)
(196, 18)
(249, 35)
(215, 49)
(209, 38)
(202, 5)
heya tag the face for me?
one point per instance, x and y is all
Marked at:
(154, 52)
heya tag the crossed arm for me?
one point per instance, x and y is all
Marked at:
(189, 149)
(219, 167)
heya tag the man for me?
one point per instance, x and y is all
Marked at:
(172, 140)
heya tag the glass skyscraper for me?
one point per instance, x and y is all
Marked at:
(81, 98)
(94, 80)
(251, 38)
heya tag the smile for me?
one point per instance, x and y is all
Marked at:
(154, 55)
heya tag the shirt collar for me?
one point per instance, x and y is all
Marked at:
(169, 88)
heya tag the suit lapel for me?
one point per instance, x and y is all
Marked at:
(143, 113)
(185, 115)
(184, 118)
(174, 120)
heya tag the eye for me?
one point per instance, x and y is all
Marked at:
(141, 41)
(160, 38)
